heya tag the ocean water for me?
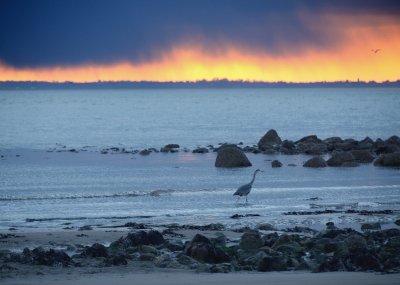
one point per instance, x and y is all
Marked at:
(151, 118)
(45, 189)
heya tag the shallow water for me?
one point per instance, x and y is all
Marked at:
(48, 190)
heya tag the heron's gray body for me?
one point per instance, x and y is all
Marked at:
(245, 189)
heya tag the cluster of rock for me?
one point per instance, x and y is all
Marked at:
(343, 153)
(299, 248)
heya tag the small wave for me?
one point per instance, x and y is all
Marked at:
(352, 187)
(30, 220)
(157, 193)
(389, 203)
(154, 193)
(334, 205)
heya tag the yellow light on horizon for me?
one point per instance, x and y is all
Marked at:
(351, 59)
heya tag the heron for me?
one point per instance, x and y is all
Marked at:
(244, 190)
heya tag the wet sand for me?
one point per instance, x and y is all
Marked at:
(189, 278)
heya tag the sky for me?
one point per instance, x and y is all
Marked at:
(190, 40)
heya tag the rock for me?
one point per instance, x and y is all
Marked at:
(271, 138)
(231, 157)
(338, 158)
(309, 139)
(389, 160)
(270, 239)
(142, 238)
(172, 145)
(315, 162)
(147, 257)
(96, 250)
(186, 260)
(276, 164)
(362, 156)
(85, 228)
(265, 227)
(395, 140)
(200, 150)
(155, 237)
(144, 152)
(356, 244)
(349, 164)
(148, 249)
(371, 226)
(165, 150)
(346, 145)
(201, 249)
(39, 256)
(365, 144)
(397, 222)
(315, 148)
(272, 263)
(250, 241)
(333, 140)
(220, 268)
(288, 147)
(174, 245)
(116, 260)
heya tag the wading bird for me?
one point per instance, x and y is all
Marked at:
(244, 190)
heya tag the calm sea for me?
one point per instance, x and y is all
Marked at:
(41, 189)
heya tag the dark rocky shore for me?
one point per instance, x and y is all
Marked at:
(262, 249)
(332, 152)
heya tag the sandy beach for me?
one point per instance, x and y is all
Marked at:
(178, 278)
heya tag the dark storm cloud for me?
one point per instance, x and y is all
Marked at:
(50, 33)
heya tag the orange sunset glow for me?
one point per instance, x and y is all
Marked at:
(351, 58)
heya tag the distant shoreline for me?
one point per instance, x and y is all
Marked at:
(214, 84)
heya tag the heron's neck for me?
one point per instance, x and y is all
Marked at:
(254, 177)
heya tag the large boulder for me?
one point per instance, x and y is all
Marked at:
(271, 138)
(51, 257)
(96, 250)
(362, 156)
(276, 163)
(315, 162)
(201, 249)
(231, 156)
(341, 159)
(389, 159)
(365, 144)
(309, 139)
(141, 238)
(314, 148)
(251, 241)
